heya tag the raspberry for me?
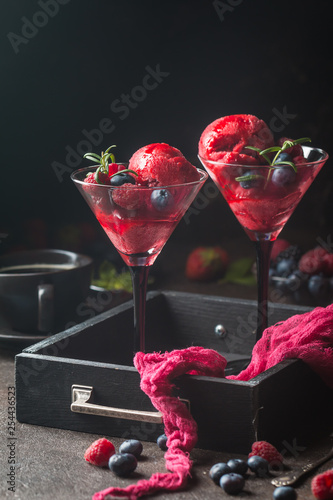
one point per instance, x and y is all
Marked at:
(91, 179)
(299, 160)
(99, 452)
(294, 151)
(266, 451)
(313, 261)
(322, 485)
(114, 167)
(127, 197)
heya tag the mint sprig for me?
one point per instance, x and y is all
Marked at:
(103, 161)
(275, 162)
(278, 150)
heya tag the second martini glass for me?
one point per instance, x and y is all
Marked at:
(138, 221)
(263, 198)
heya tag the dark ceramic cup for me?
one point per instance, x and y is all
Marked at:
(40, 289)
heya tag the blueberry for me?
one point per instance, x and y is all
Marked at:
(132, 446)
(283, 175)
(218, 470)
(284, 493)
(162, 442)
(258, 465)
(296, 280)
(284, 157)
(285, 267)
(161, 199)
(123, 464)
(254, 179)
(318, 286)
(238, 466)
(232, 483)
(122, 178)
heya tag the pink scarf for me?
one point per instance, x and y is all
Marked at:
(307, 336)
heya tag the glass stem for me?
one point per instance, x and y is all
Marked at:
(263, 250)
(139, 280)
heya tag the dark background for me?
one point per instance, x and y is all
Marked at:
(261, 57)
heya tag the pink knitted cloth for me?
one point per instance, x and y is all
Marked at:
(307, 336)
(157, 371)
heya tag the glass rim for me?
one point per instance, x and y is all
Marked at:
(325, 156)
(203, 177)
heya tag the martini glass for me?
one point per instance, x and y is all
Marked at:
(263, 204)
(138, 220)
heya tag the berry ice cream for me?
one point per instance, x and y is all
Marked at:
(162, 165)
(262, 181)
(139, 205)
(225, 139)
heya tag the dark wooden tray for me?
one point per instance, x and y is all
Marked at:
(285, 403)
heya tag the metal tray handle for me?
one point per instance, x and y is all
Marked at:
(80, 404)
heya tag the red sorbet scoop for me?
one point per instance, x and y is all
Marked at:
(225, 139)
(162, 165)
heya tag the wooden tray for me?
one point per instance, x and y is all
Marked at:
(92, 363)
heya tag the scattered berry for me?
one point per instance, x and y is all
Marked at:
(258, 465)
(292, 251)
(123, 464)
(285, 266)
(232, 483)
(162, 442)
(206, 263)
(161, 199)
(284, 493)
(318, 286)
(218, 470)
(313, 261)
(99, 452)
(238, 466)
(132, 446)
(278, 246)
(296, 281)
(266, 451)
(121, 178)
(322, 485)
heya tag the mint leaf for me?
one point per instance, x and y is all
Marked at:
(240, 272)
(249, 177)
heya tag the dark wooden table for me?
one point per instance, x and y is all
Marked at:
(49, 463)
